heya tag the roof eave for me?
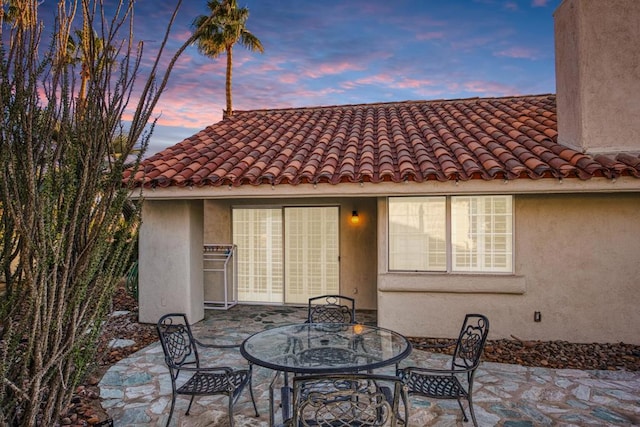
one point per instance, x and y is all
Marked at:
(623, 184)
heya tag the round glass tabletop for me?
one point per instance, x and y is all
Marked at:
(325, 348)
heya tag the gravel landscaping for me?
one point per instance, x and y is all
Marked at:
(557, 354)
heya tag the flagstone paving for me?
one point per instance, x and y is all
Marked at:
(137, 390)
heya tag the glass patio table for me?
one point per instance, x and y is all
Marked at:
(323, 348)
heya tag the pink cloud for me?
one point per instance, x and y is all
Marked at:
(189, 103)
(180, 37)
(488, 88)
(413, 83)
(184, 114)
(376, 79)
(389, 81)
(518, 53)
(267, 66)
(511, 5)
(374, 9)
(471, 43)
(190, 114)
(432, 35)
(310, 96)
(288, 78)
(430, 93)
(539, 3)
(208, 69)
(332, 69)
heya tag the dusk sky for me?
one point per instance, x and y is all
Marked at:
(335, 52)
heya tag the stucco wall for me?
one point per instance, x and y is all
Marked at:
(598, 74)
(577, 262)
(170, 260)
(358, 254)
(357, 242)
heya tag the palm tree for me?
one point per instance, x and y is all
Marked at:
(82, 49)
(219, 34)
(10, 13)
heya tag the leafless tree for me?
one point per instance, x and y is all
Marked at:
(65, 242)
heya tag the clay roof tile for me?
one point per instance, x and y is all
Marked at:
(486, 138)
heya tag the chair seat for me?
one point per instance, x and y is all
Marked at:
(348, 400)
(338, 423)
(439, 386)
(202, 383)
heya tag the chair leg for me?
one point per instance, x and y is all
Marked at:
(230, 409)
(473, 415)
(190, 403)
(272, 399)
(173, 404)
(253, 400)
(464, 414)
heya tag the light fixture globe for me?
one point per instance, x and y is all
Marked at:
(355, 219)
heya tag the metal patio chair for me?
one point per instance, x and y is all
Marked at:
(333, 400)
(181, 355)
(456, 382)
(331, 309)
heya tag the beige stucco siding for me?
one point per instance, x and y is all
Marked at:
(598, 74)
(170, 260)
(577, 261)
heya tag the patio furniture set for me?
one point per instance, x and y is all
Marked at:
(331, 359)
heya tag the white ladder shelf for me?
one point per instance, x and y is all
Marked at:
(221, 258)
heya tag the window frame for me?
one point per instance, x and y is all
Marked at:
(449, 269)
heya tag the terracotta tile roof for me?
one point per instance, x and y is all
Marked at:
(488, 138)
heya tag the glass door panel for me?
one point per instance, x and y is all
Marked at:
(258, 235)
(311, 253)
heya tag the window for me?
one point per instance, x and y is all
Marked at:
(457, 234)
(417, 233)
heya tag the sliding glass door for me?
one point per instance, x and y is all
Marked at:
(286, 254)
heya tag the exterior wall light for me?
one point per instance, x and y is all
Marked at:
(355, 219)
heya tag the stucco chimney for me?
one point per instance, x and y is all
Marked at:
(598, 75)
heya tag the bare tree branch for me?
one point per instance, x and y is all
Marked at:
(65, 241)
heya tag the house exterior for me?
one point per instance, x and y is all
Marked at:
(524, 208)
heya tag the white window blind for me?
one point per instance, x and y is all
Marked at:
(457, 233)
(417, 234)
(311, 253)
(258, 235)
(481, 233)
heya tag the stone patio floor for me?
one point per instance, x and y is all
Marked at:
(137, 390)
